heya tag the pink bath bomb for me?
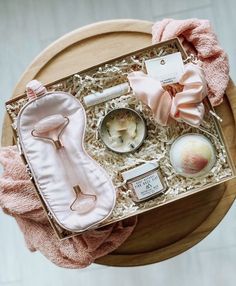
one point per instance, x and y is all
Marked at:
(192, 155)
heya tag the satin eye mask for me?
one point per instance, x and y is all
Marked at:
(77, 191)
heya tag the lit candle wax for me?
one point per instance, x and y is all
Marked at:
(192, 155)
(123, 130)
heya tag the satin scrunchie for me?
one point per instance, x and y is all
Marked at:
(185, 106)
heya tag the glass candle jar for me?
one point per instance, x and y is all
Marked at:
(144, 181)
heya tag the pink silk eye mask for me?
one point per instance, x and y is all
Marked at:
(77, 191)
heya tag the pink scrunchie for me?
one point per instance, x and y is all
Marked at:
(185, 106)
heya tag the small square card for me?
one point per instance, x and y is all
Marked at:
(168, 69)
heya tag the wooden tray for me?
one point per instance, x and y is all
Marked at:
(168, 230)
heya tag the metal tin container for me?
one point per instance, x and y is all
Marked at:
(123, 130)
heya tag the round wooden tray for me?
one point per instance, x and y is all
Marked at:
(173, 228)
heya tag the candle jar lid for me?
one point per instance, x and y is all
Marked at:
(123, 130)
(140, 170)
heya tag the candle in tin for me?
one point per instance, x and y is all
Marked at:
(123, 130)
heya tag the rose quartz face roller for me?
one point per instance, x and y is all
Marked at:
(51, 128)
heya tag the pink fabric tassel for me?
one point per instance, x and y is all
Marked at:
(35, 88)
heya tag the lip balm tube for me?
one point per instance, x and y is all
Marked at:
(107, 94)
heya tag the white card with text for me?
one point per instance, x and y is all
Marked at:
(168, 69)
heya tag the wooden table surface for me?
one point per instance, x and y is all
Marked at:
(167, 230)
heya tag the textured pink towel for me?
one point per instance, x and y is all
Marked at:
(198, 37)
(18, 198)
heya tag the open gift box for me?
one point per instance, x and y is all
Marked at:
(156, 145)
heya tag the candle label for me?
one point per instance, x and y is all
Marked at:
(148, 186)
